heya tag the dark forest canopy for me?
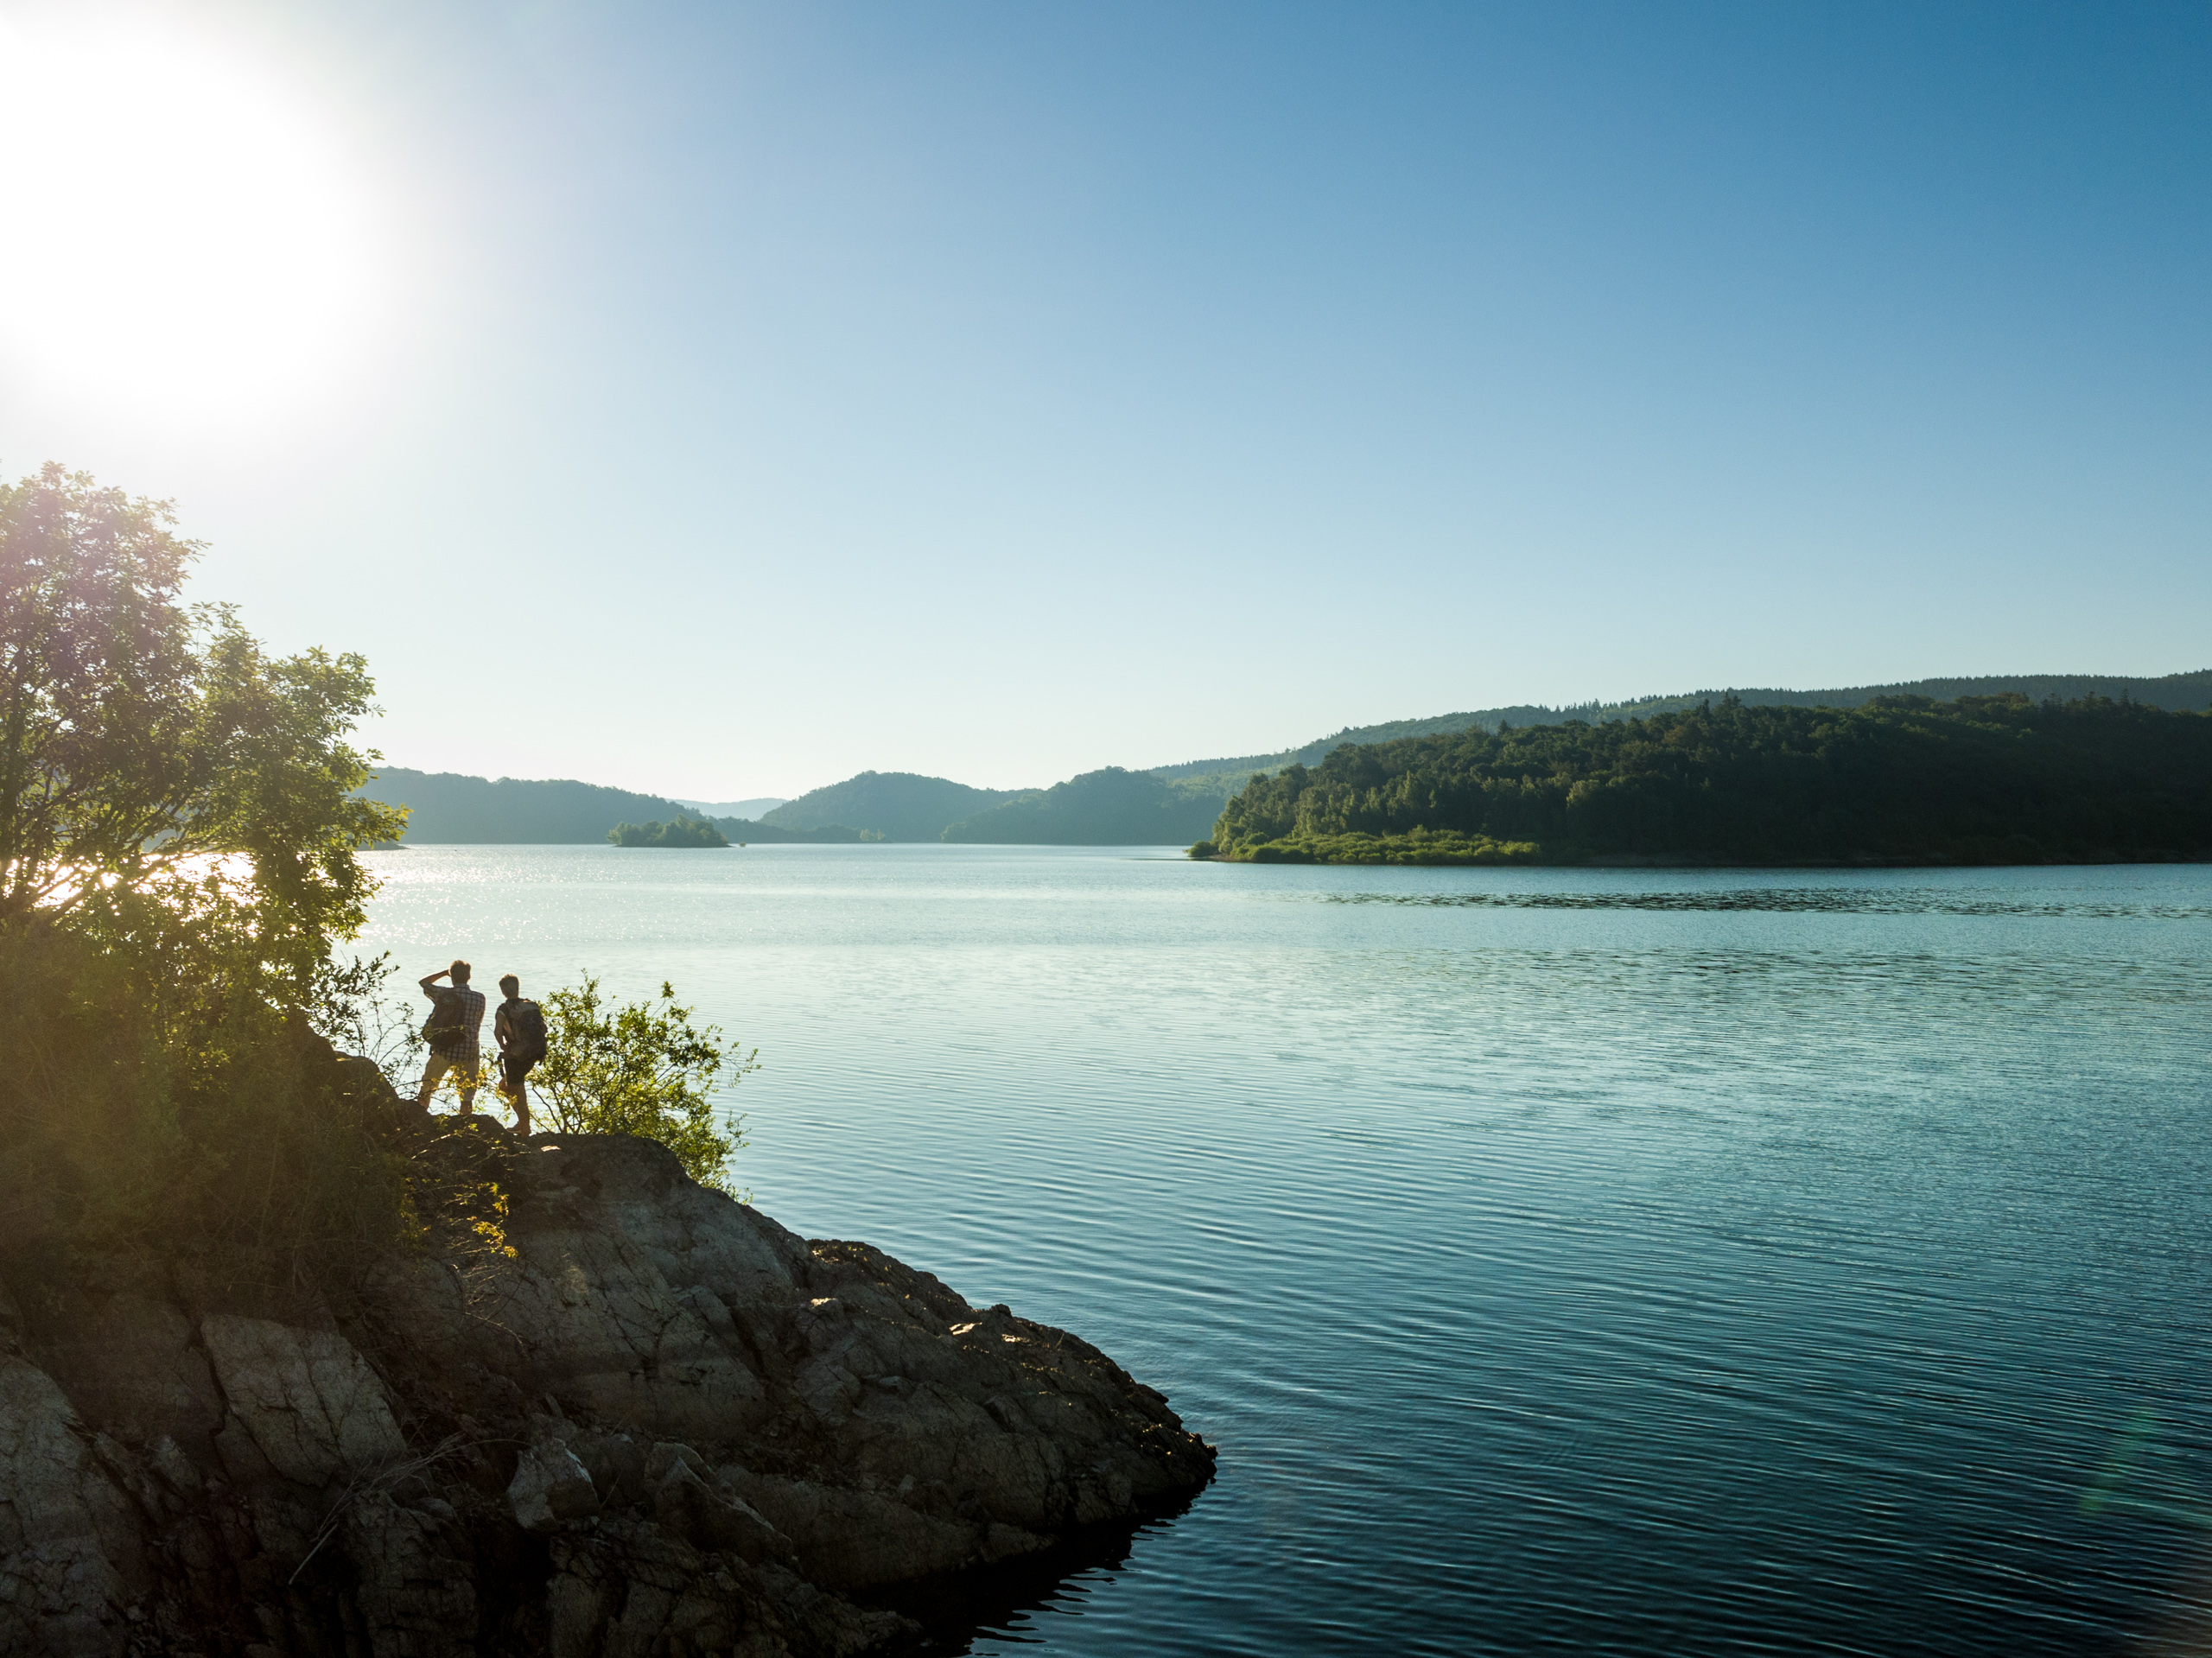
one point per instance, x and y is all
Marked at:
(2175, 691)
(1995, 779)
(1105, 808)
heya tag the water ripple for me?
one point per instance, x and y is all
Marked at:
(1566, 1261)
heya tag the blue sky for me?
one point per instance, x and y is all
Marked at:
(719, 400)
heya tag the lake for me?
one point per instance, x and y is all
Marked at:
(1565, 1260)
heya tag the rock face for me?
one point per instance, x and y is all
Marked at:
(646, 1420)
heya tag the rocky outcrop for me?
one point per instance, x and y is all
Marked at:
(632, 1415)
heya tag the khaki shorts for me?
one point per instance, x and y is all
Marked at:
(464, 1068)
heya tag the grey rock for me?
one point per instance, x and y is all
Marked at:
(714, 1519)
(309, 1403)
(550, 1486)
(61, 1522)
(661, 1424)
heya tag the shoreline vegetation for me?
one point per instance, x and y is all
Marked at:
(1896, 781)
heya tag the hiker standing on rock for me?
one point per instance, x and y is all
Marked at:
(519, 1029)
(456, 1016)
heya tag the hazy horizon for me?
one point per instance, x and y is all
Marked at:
(721, 400)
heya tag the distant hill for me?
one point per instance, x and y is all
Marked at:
(1166, 804)
(2177, 693)
(445, 807)
(745, 809)
(1107, 808)
(897, 805)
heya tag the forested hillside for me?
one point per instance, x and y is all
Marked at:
(1900, 779)
(2172, 692)
(1106, 808)
(897, 805)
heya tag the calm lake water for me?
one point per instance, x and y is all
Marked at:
(1564, 1262)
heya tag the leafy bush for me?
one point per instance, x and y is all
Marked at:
(164, 784)
(641, 1068)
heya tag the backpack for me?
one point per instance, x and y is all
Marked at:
(448, 1023)
(525, 1030)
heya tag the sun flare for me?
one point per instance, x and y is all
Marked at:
(181, 232)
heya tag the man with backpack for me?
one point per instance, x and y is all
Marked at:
(519, 1029)
(456, 1016)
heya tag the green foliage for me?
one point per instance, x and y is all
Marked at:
(639, 1068)
(350, 1009)
(178, 850)
(683, 831)
(165, 786)
(1901, 779)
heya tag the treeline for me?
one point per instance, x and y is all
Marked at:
(1903, 779)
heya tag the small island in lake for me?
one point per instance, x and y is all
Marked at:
(1899, 780)
(682, 831)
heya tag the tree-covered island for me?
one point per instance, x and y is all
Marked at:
(682, 831)
(1900, 781)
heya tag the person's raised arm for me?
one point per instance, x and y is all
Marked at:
(429, 979)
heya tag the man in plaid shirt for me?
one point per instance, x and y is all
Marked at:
(452, 1049)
